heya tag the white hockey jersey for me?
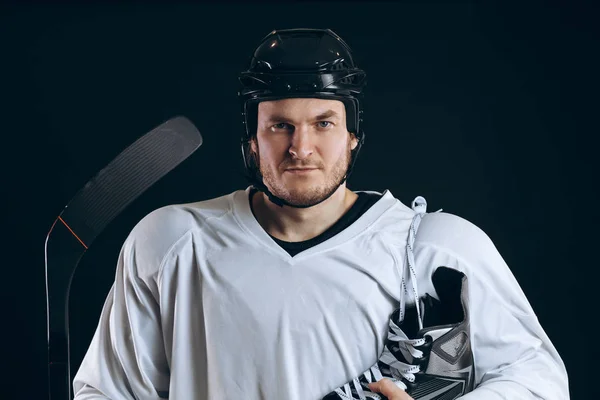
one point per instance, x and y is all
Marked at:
(206, 306)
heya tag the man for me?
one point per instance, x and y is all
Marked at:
(299, 288)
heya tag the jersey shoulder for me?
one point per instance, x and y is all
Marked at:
(452, 233)
(153, 236)
(448, 240)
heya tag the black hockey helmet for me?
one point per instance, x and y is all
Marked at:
(311, 63)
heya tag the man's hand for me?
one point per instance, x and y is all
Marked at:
(389, 389)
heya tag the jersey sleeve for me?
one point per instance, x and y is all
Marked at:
(514, 358)
(126, 358)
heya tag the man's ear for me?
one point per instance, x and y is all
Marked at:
(353, 141)
(253, 149)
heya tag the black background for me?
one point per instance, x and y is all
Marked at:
(487, 110)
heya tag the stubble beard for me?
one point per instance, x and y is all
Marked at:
(307, 196)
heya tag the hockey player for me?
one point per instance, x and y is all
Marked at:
(298, 287)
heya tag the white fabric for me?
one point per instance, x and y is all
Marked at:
(205, 305)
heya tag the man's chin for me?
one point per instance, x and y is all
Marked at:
(299, 187)
(305, 195)
(304, 202)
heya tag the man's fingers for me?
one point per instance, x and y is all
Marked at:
(389, 389)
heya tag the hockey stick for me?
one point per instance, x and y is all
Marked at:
(126, 177)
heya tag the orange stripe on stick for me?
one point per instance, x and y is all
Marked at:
(69, 228)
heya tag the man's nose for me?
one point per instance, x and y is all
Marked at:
(301, 146)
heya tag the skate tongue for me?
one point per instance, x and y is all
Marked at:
(430, 310)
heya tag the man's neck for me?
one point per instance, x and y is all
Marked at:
(298, 224)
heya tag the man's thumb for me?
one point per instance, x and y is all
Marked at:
(387, 388)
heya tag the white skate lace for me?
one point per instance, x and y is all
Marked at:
(419, 205)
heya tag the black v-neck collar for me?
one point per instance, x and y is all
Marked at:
(364, 201)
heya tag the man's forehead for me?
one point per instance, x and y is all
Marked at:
(305, 106)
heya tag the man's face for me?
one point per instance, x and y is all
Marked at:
(302, 148)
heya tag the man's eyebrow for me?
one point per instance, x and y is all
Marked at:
(327, 114)
(278, 118)
(324, 115)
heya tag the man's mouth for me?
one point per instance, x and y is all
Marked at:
(300, 170)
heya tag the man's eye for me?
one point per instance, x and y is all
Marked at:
(281, 125)
(324, 124)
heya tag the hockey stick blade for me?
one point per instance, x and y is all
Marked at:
(125, 178)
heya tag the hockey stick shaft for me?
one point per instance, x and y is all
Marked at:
(125, 178)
